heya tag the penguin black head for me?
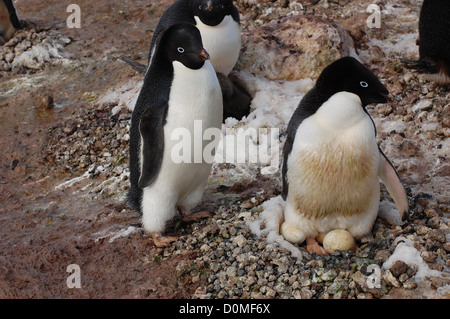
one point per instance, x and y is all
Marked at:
(211, 12)
(349, 75)
(182, 42)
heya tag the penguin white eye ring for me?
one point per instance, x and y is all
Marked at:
(180, 50)
(363, 84)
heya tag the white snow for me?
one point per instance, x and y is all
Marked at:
(406, 252)
(402, 45)
(272, 106)
(269, 223)
(47, 51)
(124, 96)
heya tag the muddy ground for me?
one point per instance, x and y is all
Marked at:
(47, 225)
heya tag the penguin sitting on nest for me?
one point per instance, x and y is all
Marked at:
(332, 163)
(9, 22)
(218, 22)
(180, 90)
(434, 42)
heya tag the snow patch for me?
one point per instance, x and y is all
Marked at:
(269, 225)
(34, 58)
(124, 96)
(406, 252)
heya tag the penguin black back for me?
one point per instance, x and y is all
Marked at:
(434, 34)
(180, 42)
(344, 75)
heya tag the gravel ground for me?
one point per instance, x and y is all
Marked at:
(221, 257)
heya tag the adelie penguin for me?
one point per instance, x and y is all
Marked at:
(9, 22)
(218, 22)
(180, 88)
(332, 163)
(434, 41)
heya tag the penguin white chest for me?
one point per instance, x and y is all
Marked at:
(333, 166)
(195, 105)
(223, 43)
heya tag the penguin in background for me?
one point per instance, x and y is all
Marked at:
(332, 163)
(180, 88)
(434, 42)
(218, 22)
(9, 21)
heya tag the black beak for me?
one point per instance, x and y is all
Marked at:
(204, 55)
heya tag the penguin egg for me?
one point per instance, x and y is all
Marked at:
(338, 239)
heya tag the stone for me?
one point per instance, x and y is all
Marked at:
(293, 48)
(398, 268)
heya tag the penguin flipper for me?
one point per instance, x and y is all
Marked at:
(151, 127)
(391, 180)
(12, 14)
(139, 67)
(286, 151)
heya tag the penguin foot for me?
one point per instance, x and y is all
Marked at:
(161, 241)
(312, 246)
(366, 238)
(188, 217)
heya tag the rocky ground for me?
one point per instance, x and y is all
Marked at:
(64, 168)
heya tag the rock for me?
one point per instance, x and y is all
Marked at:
(390, 279)
(428, 256)
(410, 284)
(436, 235)
(293, 48)
(46, 102)
(306, 294)
(329, 275)
(398, 268)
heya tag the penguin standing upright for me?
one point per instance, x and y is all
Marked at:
(9, 22)
(434, 41)
(332, 162)
(180, 89)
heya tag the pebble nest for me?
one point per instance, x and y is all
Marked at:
(231, 262)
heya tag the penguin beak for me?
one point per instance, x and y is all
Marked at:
(204, 55)
(389, 98)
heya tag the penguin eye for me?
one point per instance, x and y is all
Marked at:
(222, 6)
(363, 84)
(200, 7)
(180, 49)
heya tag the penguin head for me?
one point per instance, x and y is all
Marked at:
(182, 42)
(211, 12)
(349, 75)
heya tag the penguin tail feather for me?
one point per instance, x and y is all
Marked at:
(139, 67)
(421, 66)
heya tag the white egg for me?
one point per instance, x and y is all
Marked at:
(338, 239)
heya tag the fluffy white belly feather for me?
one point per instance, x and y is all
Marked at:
(223, 43)
(333, 170)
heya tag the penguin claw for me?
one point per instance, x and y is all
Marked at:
(161, 241)
(312, 246)
(196, 217)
